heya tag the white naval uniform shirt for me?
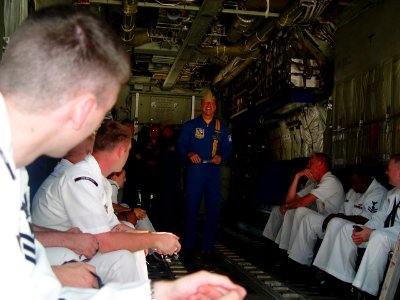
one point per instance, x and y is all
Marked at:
(330, 194)
(34, 279)
(80, 197)
(24, 267)
(115, 188)
(378, 219)
(367, 203)
(45, 200)
(311, 184)
(351, 198)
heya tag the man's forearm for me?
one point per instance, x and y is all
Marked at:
(55, 238)
(111, 241)
(291, 195)
(37, 228)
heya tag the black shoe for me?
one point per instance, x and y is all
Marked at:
(360, 295)
(330, 285)
(327, 284)
(187, 256)
(154, 259)
(208, 257)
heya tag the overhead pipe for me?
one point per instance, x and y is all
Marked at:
(239, 27)
(290, 16)
(191, 8)
(237, 65)
(129, 9)
(234, 50)
(242, 65)
(231, 70)
(140, 37)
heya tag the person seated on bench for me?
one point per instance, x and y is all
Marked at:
(362, 201)
(81, 197)
(338, 252)
(323, 193)
(136, 216)
(68, 247)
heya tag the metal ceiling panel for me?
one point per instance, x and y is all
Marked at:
(207, 13)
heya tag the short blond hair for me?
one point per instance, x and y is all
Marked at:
(208, 95)
(110, 135)
(57, 53)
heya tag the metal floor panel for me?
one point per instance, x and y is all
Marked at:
(248, 261)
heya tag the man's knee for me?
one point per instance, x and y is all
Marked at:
(129, 265)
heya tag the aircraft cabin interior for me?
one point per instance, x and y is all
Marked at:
(290, 77)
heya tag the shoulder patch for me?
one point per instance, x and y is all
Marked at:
(86, 178)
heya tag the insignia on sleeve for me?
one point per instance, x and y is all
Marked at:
(359, 206)
(230, 138)
(86, 178)
(373, 209)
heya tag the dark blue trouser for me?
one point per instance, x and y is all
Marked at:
(202, 178)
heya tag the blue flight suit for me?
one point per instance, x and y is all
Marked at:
(205, 177)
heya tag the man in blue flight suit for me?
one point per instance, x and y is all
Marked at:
(206, 142)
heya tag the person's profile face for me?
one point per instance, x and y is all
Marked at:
(393, 173)
(314, 165)
(357, 183)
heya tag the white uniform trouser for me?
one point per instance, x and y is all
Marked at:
(304, 237)
(338, 253)
(283, 237)
(115, 266)
(274, 224)
(373, 264)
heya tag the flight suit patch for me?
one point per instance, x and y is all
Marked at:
(199, 133)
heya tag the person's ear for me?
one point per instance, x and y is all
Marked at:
(120, 150)
(83, 106)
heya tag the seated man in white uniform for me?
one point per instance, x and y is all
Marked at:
(81, 197)
(117, 181)
(75, 242)
(325, 197)
(110, 267)
(338, 252)
(362, 201)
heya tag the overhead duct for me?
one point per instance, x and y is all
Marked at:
(129, 10)
(239, 27)
(242, 64)
(140, 37)
(187, 7)
(234, 67)
(288, 17)
(208, 11)
(235, 50)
